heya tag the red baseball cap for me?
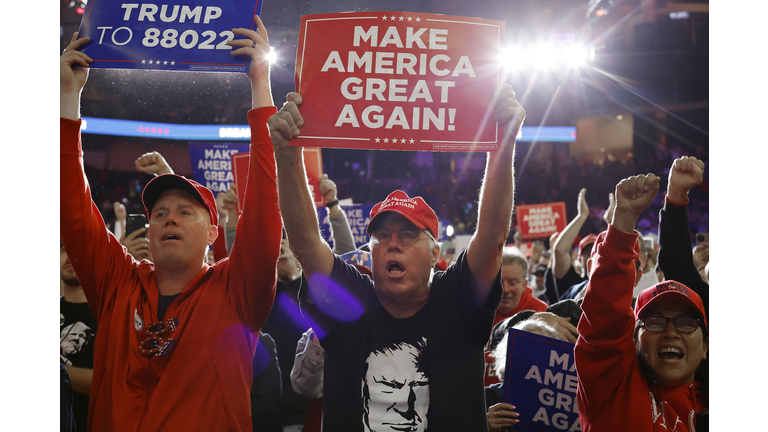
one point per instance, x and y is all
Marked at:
(441, 264)
(414, 209)
(670, 291)
(162, 183)
(586, 241)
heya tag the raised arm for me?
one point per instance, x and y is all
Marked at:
(94, 252)
(605, 350)
(675, 254)
(343, 239)
(607, 303)
(253, 258)
(561, 259)
(296, 202)
(72, 77)
(494, 212)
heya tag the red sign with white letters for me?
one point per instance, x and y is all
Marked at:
(398, 81)
(541, 220)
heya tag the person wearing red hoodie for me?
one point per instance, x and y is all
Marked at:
(177, 336)
(637, 369)
(517, 297)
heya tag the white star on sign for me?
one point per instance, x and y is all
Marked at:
(384, 18)
(150, 62)
(173, 63)
(377, 140)
(386, 140)
(402, 141)
(157, 61)
(401, 18)
(412, 141)
(143, 62)
(410, 18)
(393, 17)
(418, 19)
(165, 62)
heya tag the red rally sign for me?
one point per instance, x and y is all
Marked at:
(541, 220)
(398, 81)
(313, 160)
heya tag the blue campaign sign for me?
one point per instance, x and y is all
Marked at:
(540, 380)
(212, 163)
(358, 218)
(176, 35)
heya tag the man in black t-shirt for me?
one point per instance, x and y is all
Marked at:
(439, 322)
(78, 334)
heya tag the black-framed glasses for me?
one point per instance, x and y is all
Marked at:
(683, 324)
(407, 236)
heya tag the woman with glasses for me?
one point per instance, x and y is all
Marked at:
(638, 368)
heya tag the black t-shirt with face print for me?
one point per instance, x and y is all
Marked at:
(420, 373)
(78, 334)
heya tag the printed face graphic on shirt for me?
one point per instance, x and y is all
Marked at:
(74, 337)
(396, 389)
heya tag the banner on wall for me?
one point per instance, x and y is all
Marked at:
(191, 37)
(540, 380)
(398, 81)
(212, 164)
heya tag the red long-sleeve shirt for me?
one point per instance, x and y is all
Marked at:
(203, 380)
(613, 395)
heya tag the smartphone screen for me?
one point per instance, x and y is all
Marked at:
(134, 222)
(648, 242)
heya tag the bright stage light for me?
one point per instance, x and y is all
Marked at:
(544, 56)
(576, 55)
(449, 230)
(272, 56)
(513, 58)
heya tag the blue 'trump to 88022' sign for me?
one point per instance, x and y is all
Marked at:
(175, 35)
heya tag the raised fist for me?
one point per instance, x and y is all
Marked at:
(153, 163)
(328, 188)
(686, 173)
(634, 195)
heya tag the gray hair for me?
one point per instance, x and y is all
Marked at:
(512, 255)
(530, 325)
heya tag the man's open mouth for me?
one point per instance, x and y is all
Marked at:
(395, 268)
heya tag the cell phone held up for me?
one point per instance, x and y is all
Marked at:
(135, 222)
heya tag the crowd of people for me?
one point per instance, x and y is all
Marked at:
(211, 318)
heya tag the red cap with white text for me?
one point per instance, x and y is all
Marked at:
(670, 291)
(414, 209)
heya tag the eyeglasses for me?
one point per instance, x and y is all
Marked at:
(683, 324)
(407, 236)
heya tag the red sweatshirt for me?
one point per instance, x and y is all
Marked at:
(527, 302)
(199, 372)
(613, 395)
